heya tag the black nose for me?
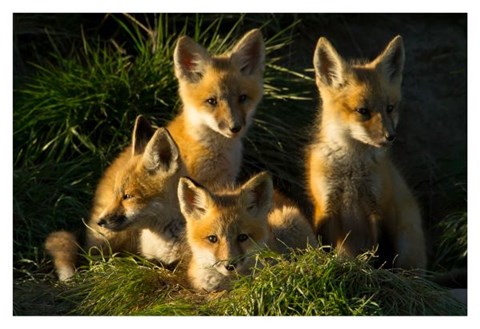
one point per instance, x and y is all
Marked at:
(113, 222)
(235, 129)
(230, 267)
(390, 137)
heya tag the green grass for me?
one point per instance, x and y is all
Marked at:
(316, 283)
(310, 283)
(452, 241)
(75, 100)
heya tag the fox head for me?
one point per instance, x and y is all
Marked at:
(221, 92)
(360, 100)
(145, 187)
(224, 229)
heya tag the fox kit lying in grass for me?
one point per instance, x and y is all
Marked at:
(225, 229)
(135, 208)
(219, 96)
(358, 194)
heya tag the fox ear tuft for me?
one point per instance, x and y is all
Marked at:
(190, 59)
(193, 198)
(249, 53)
(329, 65)
(257, 195)
(161, 152)
(142, 133)
(391, 61)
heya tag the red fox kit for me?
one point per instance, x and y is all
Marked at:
(358, 194)
(225, 229)
(135, 208)
(219, 96)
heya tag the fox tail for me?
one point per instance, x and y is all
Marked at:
(63, 247)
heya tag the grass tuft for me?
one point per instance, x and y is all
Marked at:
(316, 283)
(309, 283)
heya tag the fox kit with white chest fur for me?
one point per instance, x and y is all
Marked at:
(359, 196)
(135, 208)
(219, 96)
(225, 229)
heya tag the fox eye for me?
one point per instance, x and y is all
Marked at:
(242, 237)
(364, 112)
(127, 196)
(212, 238)
(212, 101)
(390, 108)
(242, 98)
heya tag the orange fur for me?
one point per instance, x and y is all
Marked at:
(225, 229)
(135, 207)
(359, 197)
(219, 96)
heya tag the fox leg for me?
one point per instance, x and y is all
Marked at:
(409, 240)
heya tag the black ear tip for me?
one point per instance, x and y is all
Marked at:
(183, 40)
(396, 42)
(140, 120)
(193, 182)
(322, 43)
(265, 175)
(254, 33)
(184, 181)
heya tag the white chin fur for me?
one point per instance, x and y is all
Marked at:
(361, 135)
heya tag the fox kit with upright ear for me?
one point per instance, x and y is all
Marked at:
(359, 196)
(225, 229)
(219, 96)
(135, 208)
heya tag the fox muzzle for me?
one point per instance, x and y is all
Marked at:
(114, 222)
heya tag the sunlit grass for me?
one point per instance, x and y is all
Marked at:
(309, 283)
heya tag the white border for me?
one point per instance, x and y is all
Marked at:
(294, 6)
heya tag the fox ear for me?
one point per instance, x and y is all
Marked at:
(329, 65)
(161, 152)
(193, 198)
(257, 195)
(142, 133)
(249, 53)
(190, 59)
(391, 61)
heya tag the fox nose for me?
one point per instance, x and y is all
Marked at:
(390, 137)
(113, 222)
(230, 267)
(235, 129)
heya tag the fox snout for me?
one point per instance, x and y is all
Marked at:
(237, 265)
(229, 265)
(114, 222)
(230, 127)
(390, 136)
